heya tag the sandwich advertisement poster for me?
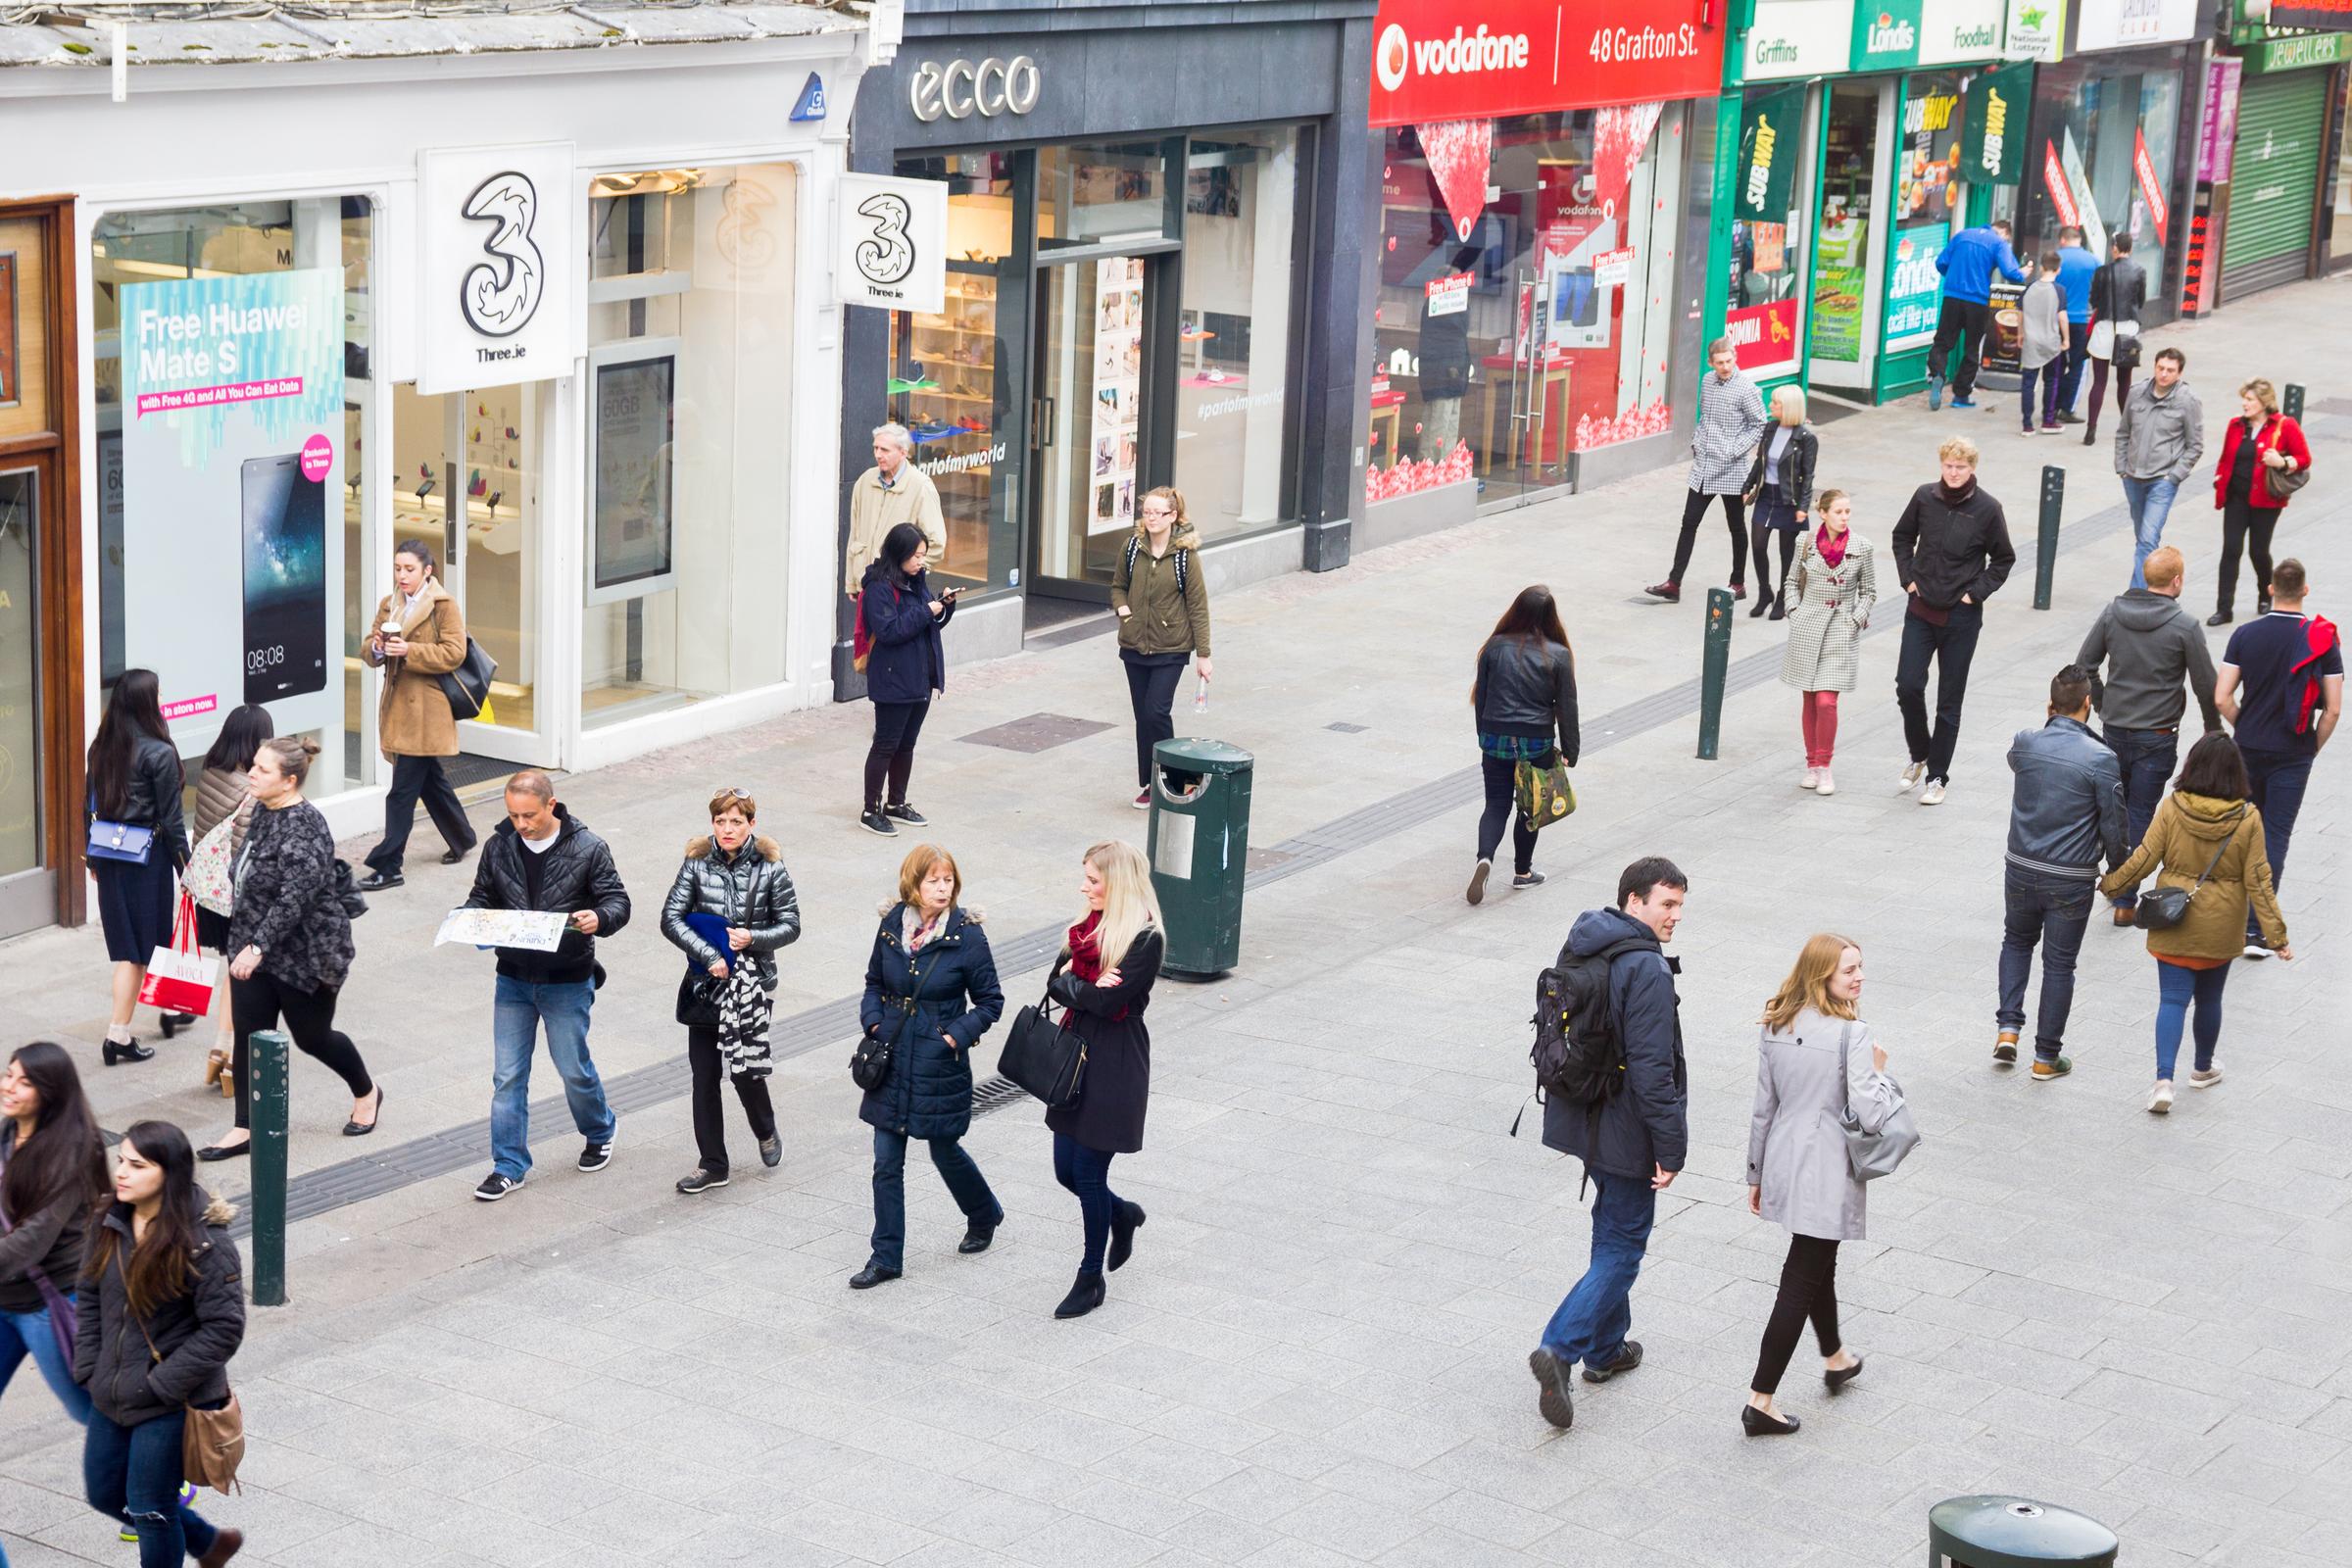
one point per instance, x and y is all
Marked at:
(232, 497)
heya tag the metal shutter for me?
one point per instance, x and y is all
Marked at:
(2274, 179)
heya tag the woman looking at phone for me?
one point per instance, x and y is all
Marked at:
(903, 617)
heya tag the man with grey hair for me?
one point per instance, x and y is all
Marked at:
(891, 492)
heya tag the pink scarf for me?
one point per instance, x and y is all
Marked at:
(1831, 551)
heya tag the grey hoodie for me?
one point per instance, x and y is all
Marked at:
(2160, 437)
(2149, 645)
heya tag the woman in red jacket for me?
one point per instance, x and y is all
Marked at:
(2260, 442)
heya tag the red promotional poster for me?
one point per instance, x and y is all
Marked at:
(1435, 60)
(1459, 153)
(1763, 334)
(2053, 181)
(2149, 185)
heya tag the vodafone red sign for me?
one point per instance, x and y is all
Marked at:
(1436, 60)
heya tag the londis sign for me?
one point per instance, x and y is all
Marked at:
(1439, 60)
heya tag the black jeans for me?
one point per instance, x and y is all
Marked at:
(1951, 646)
(1952, 319)
(2147, 757)
(1695, 511)
(1808, 1289)
(2280, 779)
(892, 756)
(415, 778)
(1152, 682)
(2054, 911)
(709, 1118)
(1768, 585)
(2246, 527)
(1502, 805)
(310, 1018)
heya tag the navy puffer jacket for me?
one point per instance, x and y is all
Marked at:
(948, 990)
(907, 663)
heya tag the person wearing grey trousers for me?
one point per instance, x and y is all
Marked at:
(1797, 1172)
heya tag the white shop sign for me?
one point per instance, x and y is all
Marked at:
(500, 253)
(2130, 23)
(1798, 38)
(891, 243)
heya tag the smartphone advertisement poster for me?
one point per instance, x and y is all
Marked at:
(232, 497)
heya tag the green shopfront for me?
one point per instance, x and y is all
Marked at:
(1840, 140)
(2282, 218)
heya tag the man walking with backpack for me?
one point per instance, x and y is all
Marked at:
(1621, 1104)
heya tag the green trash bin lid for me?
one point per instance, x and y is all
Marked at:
(1988, 1531)
(1191, 756)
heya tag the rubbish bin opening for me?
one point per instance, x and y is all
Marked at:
(1180, 786)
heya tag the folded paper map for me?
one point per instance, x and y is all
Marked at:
(503, 928)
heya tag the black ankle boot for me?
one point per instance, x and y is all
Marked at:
(1763, 602)
(1123, 1223)
(1084, 1296)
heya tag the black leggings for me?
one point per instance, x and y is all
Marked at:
(1695, 511)
(1808, 1289)
(1152, 692)
(2248, 527)
(2098, 387)
(1501, 779)
(1766, 587)
(309, 1016)
(895, 726)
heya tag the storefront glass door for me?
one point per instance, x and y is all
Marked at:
(1089, 416)
(27, 893)
(1845, 283)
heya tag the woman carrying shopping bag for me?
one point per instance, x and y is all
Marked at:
(138, 838)
(1523, 695)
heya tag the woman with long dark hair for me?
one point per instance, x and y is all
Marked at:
(903, 617)
(1524, 696)
(418, 636)
(223, 795)
(135, 780)
(52, 1175)
(163, 1309)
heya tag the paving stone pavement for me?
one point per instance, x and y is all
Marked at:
(1317, 1355)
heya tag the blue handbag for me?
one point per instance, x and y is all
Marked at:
(120, 841)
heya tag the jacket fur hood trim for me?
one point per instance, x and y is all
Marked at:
(971, 912)
(1182, 537)
(705, 848)
(220, 1211)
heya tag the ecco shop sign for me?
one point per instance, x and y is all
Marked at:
(1438, 60)
(498, 254)
(960, 89)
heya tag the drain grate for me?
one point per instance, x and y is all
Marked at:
(995, 1094)
(1039, 732)
(1343, 727)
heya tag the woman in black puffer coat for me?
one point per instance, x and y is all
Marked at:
(931, 992)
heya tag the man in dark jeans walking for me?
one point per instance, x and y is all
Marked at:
(1634, 1144)
(1951, 553)
(2281, 687)
(2065, 814)
(1968, 262)
(2151, 649)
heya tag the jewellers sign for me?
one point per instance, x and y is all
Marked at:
(498, 253)
(1444, 59)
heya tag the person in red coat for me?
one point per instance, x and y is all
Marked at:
(2261, 439)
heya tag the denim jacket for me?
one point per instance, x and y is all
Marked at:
(2067, 811)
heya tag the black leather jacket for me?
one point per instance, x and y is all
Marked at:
(153, 798)
(1794, 484)
(576, 874)
(1527, 691)
(750, 889)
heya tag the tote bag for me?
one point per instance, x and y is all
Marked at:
(208, 876)
(179, 978)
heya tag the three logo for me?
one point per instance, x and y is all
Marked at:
(500, 296)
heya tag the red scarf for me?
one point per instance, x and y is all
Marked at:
(1831, 551)
(1086, 953)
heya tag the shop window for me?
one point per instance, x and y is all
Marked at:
(20, 673)
(232, 506)
(1240, 263)
(2095, 129)
(1841, 236)
(1088, 192)
(1929, 205)
(690, 331)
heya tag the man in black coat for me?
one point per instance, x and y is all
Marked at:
(542, 858)
(1951, 553)
(1637, 1141)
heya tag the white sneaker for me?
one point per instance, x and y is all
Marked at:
(2160, 1103)
(1811, 780)
(1827, 786)
(2206, 1077)
(2255, 949)
(1932, 795)
(1911, 778)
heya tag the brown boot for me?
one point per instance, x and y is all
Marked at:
(227, 1544)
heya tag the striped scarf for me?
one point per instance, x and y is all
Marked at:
(744, 1009)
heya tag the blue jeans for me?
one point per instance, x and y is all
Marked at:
(2053, 910)
(956, 1168)
(2148, 755)
(2278, 779)
(133, 1473)
(523, 1006)
(23, 1334)
(2151, 502)
(2046, 395)
(2176, 987)
(2078, 350)
(1086, 1172)
(1592, 1321)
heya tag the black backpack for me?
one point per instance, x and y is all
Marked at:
(1184, 561)
(1578, 1053)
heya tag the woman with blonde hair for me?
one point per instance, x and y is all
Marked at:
(1160, 596)
(1815, 1058)
(1829, 592)
(931, 992)
(1105, 977)
(2259, 443)
(1780, 486)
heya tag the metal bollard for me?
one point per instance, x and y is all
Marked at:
(1714, 666)
(2045, 548)
(2291, 404)
(268, 1056)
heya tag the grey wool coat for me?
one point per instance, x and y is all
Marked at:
(1730, 421)
(1827, 608)
(1795, 1147)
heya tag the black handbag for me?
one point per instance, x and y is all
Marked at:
(870, 1064)
(347, 892)
(467, 687)
(1046, 1058)
(2161, 909)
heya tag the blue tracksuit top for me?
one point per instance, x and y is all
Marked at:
(1968, 261)
(2074, 267)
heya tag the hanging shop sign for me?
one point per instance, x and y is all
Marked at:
(2035, 29)
(499, 250)
(2302, 50)
(2135, 23)
(891, 243)
(232, 398)
(2069, 186)
(2223, 75)
(2311, 13)
(1898, 34)
(1886, 34)
(1792, 38)
(1763, 334)
(1993, 132)
(1436, 60)
(1769, 134)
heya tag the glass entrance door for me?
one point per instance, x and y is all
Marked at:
(27, 889)
(1843, 335)
(1087, 424)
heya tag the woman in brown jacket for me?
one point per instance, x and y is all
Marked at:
(418, 636)
(1161, 597)
(2206, 836)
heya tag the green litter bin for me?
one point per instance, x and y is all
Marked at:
(2015, 1533)
(1199, 851)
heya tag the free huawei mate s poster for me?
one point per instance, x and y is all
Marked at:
(285, 580)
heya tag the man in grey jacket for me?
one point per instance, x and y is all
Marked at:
(2158, 439)
(2066, 812)
(2150, 647)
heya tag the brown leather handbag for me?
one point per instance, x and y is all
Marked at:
(212, 1443)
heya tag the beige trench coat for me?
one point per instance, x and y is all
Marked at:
(413, 715)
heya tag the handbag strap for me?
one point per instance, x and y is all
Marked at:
(124, 1275)
(1845, 1082)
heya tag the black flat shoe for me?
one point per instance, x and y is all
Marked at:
(873, 1274)
(977, 1238)
(2219, 617)
(1756, 1424)
(1124, 1222)
(1626, 1359)
(173, 1023)
(452, 856)
(213, 1153)
(771, 1151)
(1084, 1296)
(1554, 1401)
(354, 1129)
(381, 881)
(115, 1052)
(1837, 1376)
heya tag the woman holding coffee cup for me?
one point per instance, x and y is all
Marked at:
(418, 636)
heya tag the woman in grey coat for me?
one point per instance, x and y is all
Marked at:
(1797, 1173)
(1829, 593)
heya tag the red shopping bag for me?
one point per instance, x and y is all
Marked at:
(861, 641)
(179, 978)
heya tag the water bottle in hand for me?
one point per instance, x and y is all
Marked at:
(1201, 695)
